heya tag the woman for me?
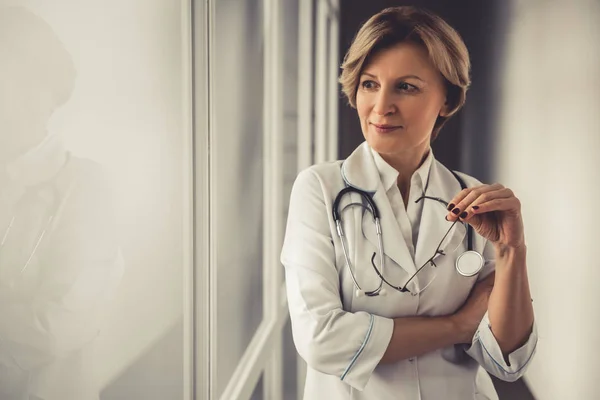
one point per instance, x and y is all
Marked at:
(59, 259)
(420, 336)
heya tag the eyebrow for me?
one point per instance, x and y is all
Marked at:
(402, 77)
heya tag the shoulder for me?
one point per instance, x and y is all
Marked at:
(323, 176)
(469, 180)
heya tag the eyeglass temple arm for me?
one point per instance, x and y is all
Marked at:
(444, 202)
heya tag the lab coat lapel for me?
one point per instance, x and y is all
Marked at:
(433, 225)
(360, 171)
(394, 245)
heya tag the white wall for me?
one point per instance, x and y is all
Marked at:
(126, 114)
(547, 153)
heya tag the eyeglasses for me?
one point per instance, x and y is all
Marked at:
(448, 244)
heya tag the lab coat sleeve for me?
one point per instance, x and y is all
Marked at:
(485, 348)
(80, 267)
(331, 340)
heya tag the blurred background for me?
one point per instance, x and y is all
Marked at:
(198, 116)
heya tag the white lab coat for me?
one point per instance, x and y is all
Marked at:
(51, 312)
(342, 337)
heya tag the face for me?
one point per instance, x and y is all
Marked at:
(24, 111)
(400, 95)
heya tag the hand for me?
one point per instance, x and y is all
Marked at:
(469, 316)
(493, 211)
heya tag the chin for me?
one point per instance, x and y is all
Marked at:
(388, 145)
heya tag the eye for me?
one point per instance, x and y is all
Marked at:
(368, 85)
(407, 87)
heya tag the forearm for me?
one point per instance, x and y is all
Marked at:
(510, 310)
(414, 336)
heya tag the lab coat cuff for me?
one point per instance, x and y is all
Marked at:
(492, 354)
(377, 338)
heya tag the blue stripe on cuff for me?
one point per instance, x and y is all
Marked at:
(359, 350)
(501, 367)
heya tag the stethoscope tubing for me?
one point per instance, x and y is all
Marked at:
(372, 207)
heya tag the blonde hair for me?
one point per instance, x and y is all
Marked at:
(38, 53)
(445, 48)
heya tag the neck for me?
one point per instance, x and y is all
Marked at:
(406, 163)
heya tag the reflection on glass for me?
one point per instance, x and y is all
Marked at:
(59, 260)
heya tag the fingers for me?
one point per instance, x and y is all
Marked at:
(465, 192)
(468, 195)
(470, 201)
(499, 204)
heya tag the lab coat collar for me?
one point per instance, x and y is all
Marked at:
(356, 173)
(389, 175)
(39, 164)
(360, 171)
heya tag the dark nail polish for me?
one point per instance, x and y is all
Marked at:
(450, 206)
(446, 218)
(456, 211)
(464, 215)
(475, 207)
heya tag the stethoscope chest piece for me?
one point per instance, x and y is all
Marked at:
(469, 263)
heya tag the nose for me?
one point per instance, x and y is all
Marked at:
(384, 104)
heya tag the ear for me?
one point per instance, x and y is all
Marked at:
(445, 110)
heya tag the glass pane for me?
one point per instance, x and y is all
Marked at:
(91, 210)
(258, 393)
(290, 89)
(290, 384)
(237, 100)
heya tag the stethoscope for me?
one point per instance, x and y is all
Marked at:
(45, 227)
(468, 264)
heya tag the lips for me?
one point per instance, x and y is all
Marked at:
(385, 128)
